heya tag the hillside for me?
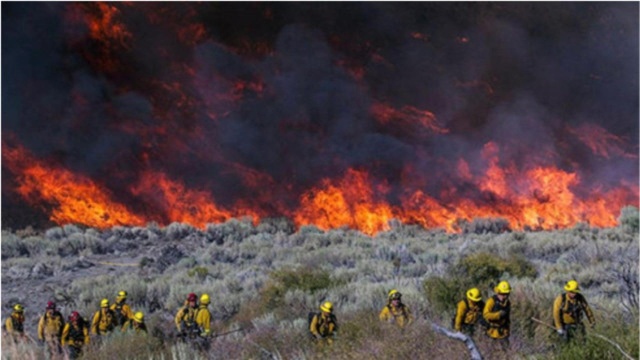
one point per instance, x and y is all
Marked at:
(265, 279)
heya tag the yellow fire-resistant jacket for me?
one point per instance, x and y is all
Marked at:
(467, 313)
(186, 316)
(103, 322)
(14, 324)
(323, 325)
(401, 315)
(132, 326)
(567, 311)
(75, 335)
(498, 325)
(203, 320)
(121, 311)
(50, 326)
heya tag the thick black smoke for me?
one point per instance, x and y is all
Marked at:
(518, 74)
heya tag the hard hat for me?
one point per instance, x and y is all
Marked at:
(474, 294)
(572, 286)
(104, 303)
(204, 299)
(74, 316)
(51, 305)
(192, 297)
(18, 308)
(503, 288)
(394, 294)
(327, 307)
(122, 294)
(138, 317)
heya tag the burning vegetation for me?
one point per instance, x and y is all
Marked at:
(430, 114)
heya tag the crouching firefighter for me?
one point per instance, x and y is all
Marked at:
(567, 312)
(396, 311)
(324, 326)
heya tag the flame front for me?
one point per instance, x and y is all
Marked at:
(128, 113)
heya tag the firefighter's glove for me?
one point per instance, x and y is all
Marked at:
(502, 314)
(560, 332)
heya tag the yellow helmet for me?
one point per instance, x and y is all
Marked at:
(138, 317)
(327, 307)
(503, 288)
(104, 303)
(122, 294)
(204, 299)
(474, 294)
(572, 286)
(18, 308)
(394, 294)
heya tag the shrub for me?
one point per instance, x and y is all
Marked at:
(289, 279)
(629, 219)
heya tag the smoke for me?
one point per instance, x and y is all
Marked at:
(287, 89)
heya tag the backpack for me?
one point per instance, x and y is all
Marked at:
(311, 315)
(480, 320)
(119, 317)
(576, 310)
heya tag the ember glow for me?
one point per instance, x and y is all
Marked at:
(424, 113)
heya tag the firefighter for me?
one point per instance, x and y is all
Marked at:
(121, 309)
(14, 325)
(50, 329)
(497, 314)
(203, 322)
(395, 311)
(186, 318)
(567, 312)
(136, 324)
(75, 335)
(324, 325)
(469, 312)
(104, 320)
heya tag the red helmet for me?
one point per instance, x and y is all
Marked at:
(192, 297)
(74, 316)
(51, 305)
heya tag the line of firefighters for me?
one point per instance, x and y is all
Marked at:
(493, 316)
(193, 319)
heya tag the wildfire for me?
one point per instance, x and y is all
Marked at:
(199, 113)
(74, 199)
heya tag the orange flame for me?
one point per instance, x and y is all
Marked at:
(75, 199)
(407, 115)
(601, 142)
(350, 202)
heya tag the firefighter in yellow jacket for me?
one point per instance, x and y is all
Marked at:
(14, 325)
(497, 314)
(324, 325)
(136, 325)
(50, 329)
(104, 320)
(121, 310)
(186, 318)
(395, 311)
(203, 322)
(567, 312)
(75, 335)
(469, 312)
